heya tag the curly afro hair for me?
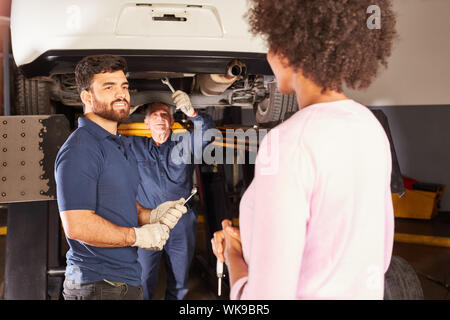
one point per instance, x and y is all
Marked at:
(328, 40)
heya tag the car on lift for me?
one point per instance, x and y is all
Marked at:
(203, 47)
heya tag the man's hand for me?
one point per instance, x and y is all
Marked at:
(151, 236)
(183, 102)
(168, 213)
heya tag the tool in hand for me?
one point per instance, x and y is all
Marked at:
(194, 191)
(167, 83)
(220, 275)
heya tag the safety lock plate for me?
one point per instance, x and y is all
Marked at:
(28, 149)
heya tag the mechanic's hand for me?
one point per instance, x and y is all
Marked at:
(151, 236)
(226, 242)
(168, 213)
(183, 102)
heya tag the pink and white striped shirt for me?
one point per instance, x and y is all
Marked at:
(317, 220)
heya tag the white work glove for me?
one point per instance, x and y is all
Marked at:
(183, 102)
(168, 213)
(151, 236)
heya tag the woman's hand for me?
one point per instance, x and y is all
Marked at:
(226, 243)
(227, 247)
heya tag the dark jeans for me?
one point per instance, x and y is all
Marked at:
(101, 290)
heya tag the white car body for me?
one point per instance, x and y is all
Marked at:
(211, 25)
(203, 46)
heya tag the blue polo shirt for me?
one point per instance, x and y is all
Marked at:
(96, 170)
(163, 177)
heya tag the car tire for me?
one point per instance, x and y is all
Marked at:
(276, 107)
(32, 96)
(401, 281)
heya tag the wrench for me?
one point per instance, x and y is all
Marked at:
(167, 83)
(194, 191)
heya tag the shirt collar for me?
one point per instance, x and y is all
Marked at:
(125, 140)
(153, 144)
(93, 128)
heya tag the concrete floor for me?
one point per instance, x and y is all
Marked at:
(431, 263)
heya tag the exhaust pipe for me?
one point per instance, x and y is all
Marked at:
(216, 84)
(236, 68)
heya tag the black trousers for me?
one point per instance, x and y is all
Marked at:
(101, 290)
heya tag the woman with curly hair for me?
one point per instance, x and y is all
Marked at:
(321, 225)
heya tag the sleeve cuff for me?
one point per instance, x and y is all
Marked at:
(68, 207)
(238, 288)
(194, 115)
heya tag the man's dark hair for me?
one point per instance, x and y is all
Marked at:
(328, 40)
(91, 65)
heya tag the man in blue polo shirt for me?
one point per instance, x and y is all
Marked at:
(97, 180)
(166, 167)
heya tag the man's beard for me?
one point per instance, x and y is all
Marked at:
(107, 112)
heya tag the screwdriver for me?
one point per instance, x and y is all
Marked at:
(220, 275)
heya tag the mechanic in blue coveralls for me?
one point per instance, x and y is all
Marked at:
(166, 166)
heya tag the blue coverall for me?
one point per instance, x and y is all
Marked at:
(163, 179)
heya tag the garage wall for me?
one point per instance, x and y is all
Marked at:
(414, 92)
(419, 68)
(421, 138)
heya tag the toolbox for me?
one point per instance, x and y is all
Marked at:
(420, 200)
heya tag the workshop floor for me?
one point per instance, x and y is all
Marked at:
(431, 263)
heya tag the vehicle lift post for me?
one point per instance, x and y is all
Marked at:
(29, 145)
